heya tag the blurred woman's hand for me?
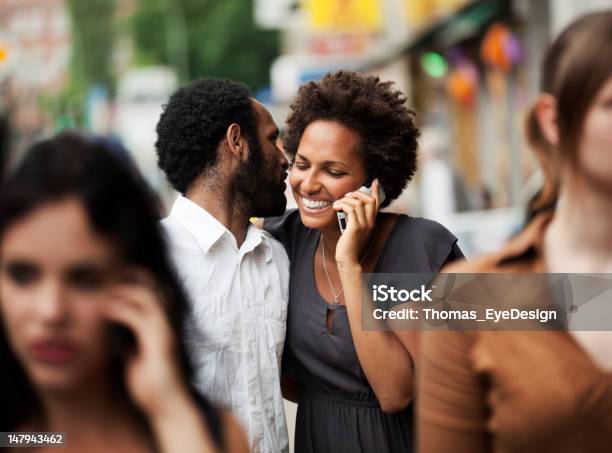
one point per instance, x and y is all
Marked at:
(153, 372)
(361, 210)
(154, 378)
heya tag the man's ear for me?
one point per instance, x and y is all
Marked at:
(546, 114)
(236, 142)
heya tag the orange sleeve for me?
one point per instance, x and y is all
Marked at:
(451, 398)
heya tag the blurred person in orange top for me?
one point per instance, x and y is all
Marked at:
(91, 312)
(544, 391)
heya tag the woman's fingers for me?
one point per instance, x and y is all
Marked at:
(355, 208)
(138, 308)
(370, 205)
(359, 210)
(376, 193)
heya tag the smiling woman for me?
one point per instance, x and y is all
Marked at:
(353, 387)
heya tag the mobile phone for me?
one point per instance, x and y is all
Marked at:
(122, 341)
(367, 189)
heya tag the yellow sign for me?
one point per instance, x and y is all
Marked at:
(421, 13)
(344, 15)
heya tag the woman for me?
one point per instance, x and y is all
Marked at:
(353, 386)
(540, 391)
(91, 311)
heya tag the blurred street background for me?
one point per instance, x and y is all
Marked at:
(469, 68)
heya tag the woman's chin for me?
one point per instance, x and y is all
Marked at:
(318, 221)
(55, 381)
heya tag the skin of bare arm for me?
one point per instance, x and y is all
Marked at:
(386, 362)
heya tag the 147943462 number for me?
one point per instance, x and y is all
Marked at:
(39, 439)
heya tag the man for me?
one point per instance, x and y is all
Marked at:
(217, 146)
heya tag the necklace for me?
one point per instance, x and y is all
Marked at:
(338, 295)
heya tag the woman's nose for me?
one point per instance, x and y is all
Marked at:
(52, 304)
(310, 184)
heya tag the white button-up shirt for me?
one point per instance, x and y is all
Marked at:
(235, 336)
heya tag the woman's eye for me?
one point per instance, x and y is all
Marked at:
(335, 174)
(86, 279)
(300, 166)
(22, 274)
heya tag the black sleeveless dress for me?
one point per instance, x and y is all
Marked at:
(338, 410)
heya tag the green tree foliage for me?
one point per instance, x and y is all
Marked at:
(215, 38)
(93, 36)
(92, 43)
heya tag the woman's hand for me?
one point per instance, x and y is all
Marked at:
(154, 377)
(153, 373)
(361, 210)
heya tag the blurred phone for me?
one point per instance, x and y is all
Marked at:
(367, 189)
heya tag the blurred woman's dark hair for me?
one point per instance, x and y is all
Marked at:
(121, 209)
(575, 66)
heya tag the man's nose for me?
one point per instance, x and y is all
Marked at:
(284, 162)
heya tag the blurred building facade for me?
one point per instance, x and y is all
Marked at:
(470, 70)
(36, 37)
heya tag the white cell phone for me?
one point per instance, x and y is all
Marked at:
(367, 189)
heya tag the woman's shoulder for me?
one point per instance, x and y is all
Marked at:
(426, 229)
(290, 218)
(283, 225)
(419, 245)
(286, 228)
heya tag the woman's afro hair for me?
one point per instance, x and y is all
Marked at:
(376, 111)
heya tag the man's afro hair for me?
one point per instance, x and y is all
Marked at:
(193, 123)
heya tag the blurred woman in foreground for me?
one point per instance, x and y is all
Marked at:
(530, 391)
(91, 312)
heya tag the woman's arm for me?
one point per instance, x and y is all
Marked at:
(154, 377)
(386, 362)
(180, 426)
(388, 366)
(234, 438)
(452, 410)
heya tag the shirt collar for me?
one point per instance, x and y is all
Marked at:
(204, 228)
(207, 230)
(256, 237)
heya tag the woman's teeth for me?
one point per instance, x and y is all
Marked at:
(315, 204)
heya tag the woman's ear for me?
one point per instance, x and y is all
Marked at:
(235, 141)
(546, 115)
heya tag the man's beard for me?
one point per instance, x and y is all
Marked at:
(258, 192)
